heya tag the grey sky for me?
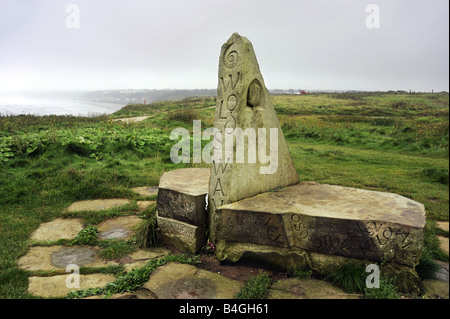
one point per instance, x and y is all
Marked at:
(176, 44)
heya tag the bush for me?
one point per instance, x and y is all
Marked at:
(387, 290)
(115, 249)
(350, 277)
(427, 267)
(400, 105)
(185, 115)
(86, 236)
(438, 175)
(302, 273)
(384, 121)
(146, 234)
(255, 288)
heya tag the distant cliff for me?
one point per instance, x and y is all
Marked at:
(140, 96)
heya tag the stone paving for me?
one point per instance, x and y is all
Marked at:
(51, 266)
(48, 263)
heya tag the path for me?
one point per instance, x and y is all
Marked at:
(52, 262)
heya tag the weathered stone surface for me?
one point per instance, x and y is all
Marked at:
(59, 228)
(181, 281)
(244, 106)
(443, 271)
(97, 204)
(435, 289)
(329, 219)
(58, 257)
(141, 257)
(406, 279)
(143, 204)
(182, 195)
(55, 286)
(443, 243)
(442, 225)
(280, 258)
(184, 236)
(118, 228)
(146, 190)
(294, 288)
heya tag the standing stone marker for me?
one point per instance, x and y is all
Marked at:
(244, 107)
(259, 210)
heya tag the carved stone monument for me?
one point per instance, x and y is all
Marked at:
(245, 113)
(258, 209)
(268, 216)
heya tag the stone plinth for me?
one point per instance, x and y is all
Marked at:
(184, 236)
(182, 195)
(181, 207)
(327, 219)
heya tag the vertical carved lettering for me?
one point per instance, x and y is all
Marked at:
(218, 183)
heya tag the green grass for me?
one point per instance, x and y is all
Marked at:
(387, 290)
(255, 287)
(395, 142)
(302, 273)
(132, 280)
(350, 277)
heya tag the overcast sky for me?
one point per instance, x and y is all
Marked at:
(158, 44)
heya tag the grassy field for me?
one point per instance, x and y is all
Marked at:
(393, 141)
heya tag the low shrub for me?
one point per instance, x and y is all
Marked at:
(255, 288)
(350, 277)
(387, 290)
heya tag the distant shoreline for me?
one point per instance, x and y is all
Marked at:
(43, 106)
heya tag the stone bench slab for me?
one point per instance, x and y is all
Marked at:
(329, 219)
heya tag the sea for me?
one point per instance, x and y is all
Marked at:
(47, 106)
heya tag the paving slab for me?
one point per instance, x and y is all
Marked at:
(56, 286)
(60, 228)
(294, 288)
(56, 258)
(97, 204)
(435, 289)
(442, 225)
(182, 281)
(443, 242)
(119, 228)
(142, 256)
(146, 190)
(143, 204)
(443, 271)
